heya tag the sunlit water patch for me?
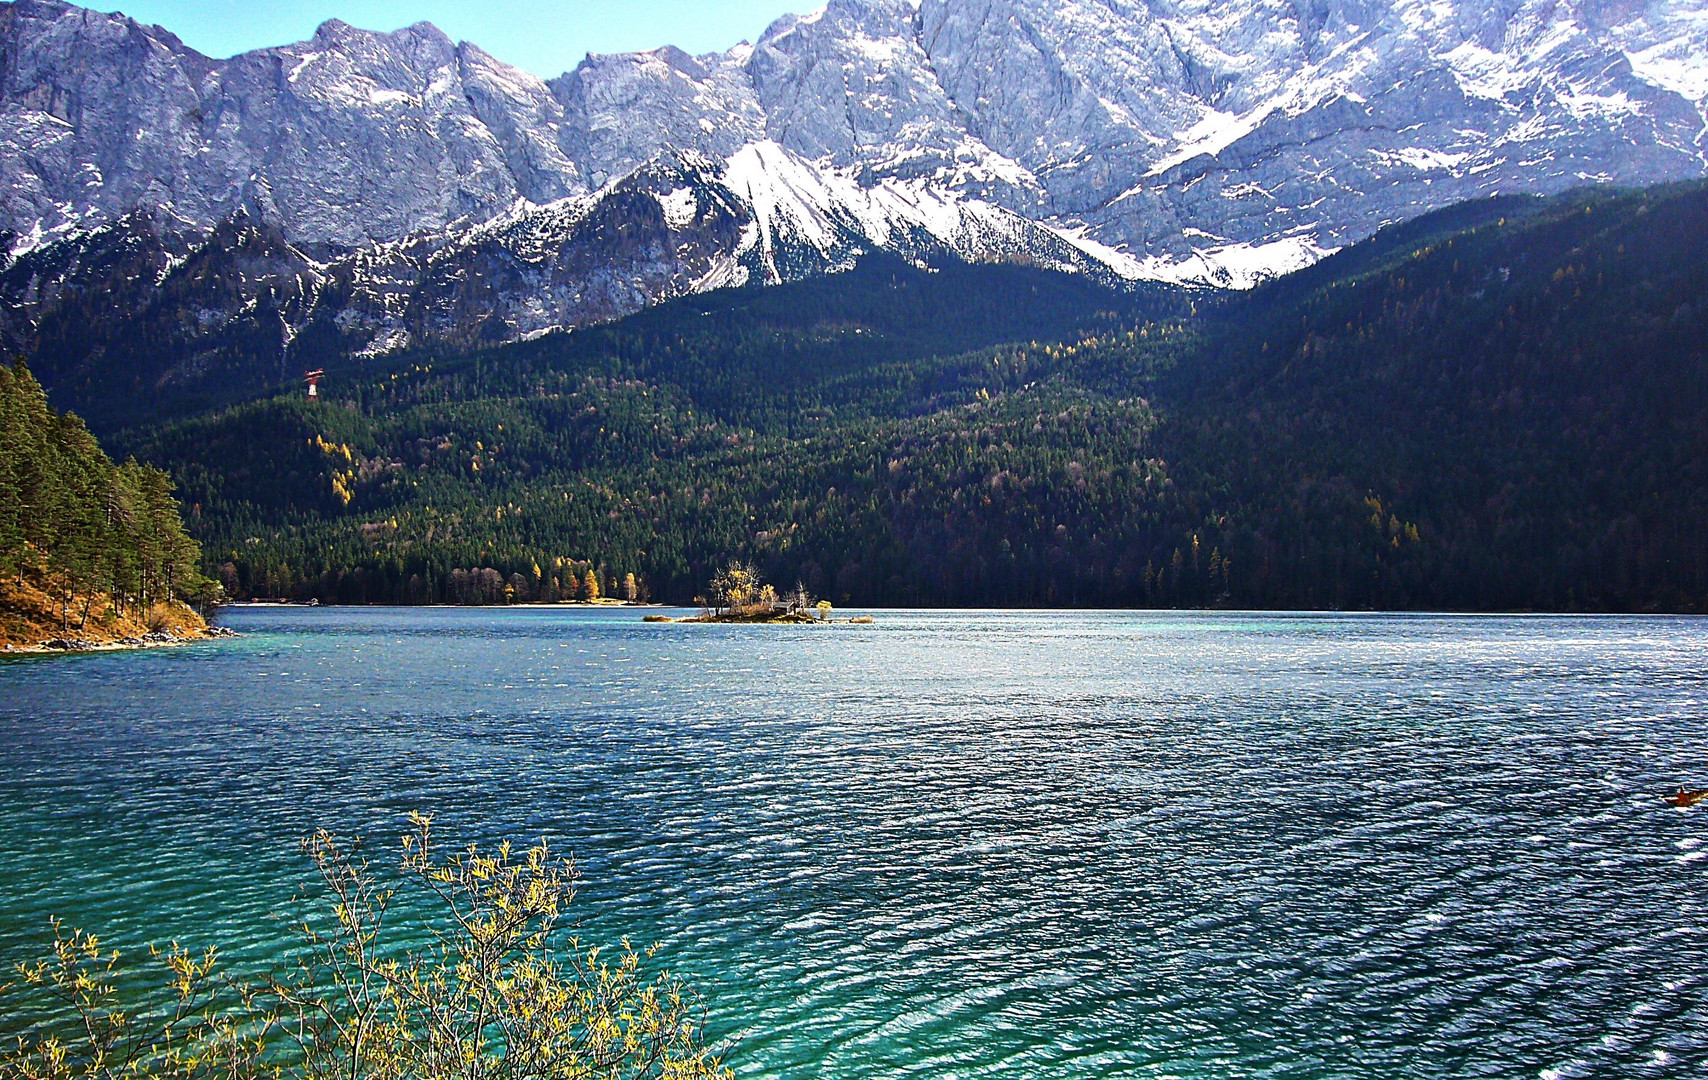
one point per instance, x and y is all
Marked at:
(953, 844)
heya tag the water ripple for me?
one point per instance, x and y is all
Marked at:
(955, 844)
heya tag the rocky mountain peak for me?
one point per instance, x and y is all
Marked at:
(1186, 140)
(1078, 113)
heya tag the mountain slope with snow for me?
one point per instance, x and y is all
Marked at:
(435, 193)
(194, 306)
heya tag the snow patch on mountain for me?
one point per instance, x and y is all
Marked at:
(797, 204)
(1679, 65)
(1208, 137)
(1236, 265)
(679, 206)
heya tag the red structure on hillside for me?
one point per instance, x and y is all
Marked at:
(313, 380)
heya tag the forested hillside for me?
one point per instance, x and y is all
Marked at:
(763, 422)
(1505, 407)
(1498, 406)
(85, 546)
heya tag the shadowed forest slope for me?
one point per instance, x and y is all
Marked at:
(1501, 405)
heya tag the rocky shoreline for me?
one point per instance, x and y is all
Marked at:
(794, 617)
(152, 639)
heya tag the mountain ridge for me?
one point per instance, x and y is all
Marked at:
(1164, 140)
(984, 97)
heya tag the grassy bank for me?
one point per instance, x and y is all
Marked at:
(34, 619)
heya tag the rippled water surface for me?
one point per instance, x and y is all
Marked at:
(954, 844)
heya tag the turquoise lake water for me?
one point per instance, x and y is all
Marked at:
(953, 844)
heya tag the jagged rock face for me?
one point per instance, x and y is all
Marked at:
(1073, 92)
(1209, 140)
(1158, 123)
(138, 309)
(621, 111)
(148, 306)
(344, 139)
(853, 85)
(1339, 119)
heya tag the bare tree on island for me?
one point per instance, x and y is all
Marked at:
(739, 594)
(736, 588)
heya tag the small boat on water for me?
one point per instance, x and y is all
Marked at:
(1686, 798)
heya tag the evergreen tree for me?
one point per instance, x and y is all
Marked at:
(81, 527)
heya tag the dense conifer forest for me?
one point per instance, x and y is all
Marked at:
(1498, 406)
(84, 544)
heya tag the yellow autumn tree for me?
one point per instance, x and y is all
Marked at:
(505, 990)
(736, 586)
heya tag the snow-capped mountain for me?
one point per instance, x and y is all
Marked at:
(679, 224)
(424, 189)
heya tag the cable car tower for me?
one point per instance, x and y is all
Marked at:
(313, 380)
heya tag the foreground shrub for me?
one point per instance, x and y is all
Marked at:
(494, 987)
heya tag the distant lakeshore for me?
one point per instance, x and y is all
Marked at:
(528, 604)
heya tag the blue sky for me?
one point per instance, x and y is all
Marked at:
(543, 37)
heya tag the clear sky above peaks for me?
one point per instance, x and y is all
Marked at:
(540, 36)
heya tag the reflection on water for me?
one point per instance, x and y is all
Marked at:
(1017, 845)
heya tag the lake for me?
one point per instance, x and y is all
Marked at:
(953, 844)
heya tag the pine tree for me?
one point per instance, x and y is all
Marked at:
(35, 472)
(83, 527)
(12, 448)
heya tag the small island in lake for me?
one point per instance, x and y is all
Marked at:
(738, 595)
